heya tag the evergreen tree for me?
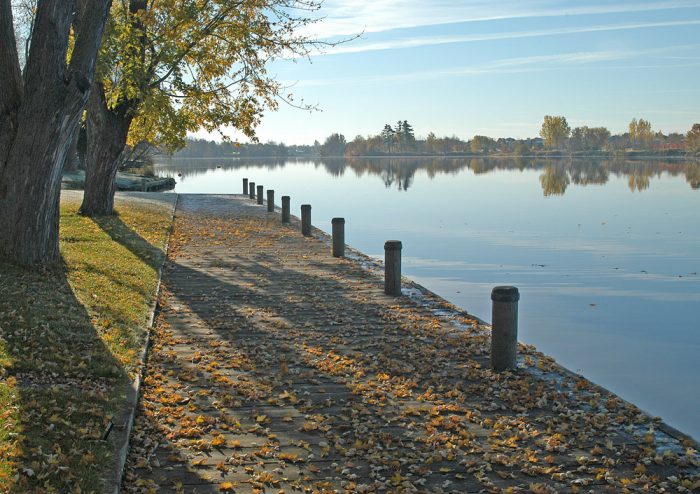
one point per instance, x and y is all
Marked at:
(398, 135)
(387, 136)
(408, 136)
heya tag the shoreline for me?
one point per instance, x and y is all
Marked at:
(562, 156)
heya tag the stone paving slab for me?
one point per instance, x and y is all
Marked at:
(278, 368)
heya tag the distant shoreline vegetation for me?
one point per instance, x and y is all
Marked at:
(399, 172)
(556, 139)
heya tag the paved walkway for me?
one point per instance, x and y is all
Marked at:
(278, 368)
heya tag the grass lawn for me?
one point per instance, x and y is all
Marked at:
(71, 337)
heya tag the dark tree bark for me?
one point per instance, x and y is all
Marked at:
(39, 114)
(107, 131)
(10, 81)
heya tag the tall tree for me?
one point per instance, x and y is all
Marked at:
(589, 138)
(170, 67)
(692, 139)
(481, 144)
(408, 136)
(555, 131)
(641, 134)
(388, 138)
(334, 145)
(431, 143)
(399, 136)
(40, 108)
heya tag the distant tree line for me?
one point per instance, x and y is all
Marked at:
(556, 137)
(202, 148)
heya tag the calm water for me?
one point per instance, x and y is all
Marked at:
(606, 255)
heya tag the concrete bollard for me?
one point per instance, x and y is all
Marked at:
(306, 220)
(338, 229)
(504, 327)
(260, 194)
(285, 209)
(392, 267)
(245, 186)
(251, 186)
(270, 201)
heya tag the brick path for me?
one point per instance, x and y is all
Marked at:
(278, 368)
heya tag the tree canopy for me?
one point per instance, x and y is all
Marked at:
(185, 66)
(640, 133)
(334, 145)
(555, 131)
(692, 138)
(171, 67)
(589, 138)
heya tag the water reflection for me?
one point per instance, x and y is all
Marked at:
(554, 180)
(556, 175)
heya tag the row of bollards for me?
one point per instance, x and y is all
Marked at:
(249, 189)
(504, 326)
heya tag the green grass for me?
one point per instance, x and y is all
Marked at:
(70, 341)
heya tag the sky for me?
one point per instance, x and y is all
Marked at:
(487, 67)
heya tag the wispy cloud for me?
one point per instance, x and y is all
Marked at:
(533, 63)
(415, 42)
(347, 17)
(669, 112)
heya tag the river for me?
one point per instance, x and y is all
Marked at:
(606, 254)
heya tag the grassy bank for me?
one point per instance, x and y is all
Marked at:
(70, 341)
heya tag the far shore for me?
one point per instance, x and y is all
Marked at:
(627, 155)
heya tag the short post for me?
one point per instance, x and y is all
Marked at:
(270, 200)
(306, 219)
(251, 186)
(260, 194)
(504, 327)
(392, 267)
(285, 209)
(245, 186)
(338, 237)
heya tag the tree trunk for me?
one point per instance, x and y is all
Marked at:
(39, 114)
(31, 185)
(107, 131)
(72, 158)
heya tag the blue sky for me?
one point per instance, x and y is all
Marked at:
(494, 68)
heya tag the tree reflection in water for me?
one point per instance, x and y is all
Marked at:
(555, 177)
(554, 180)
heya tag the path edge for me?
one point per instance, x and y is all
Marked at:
(116, 476)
